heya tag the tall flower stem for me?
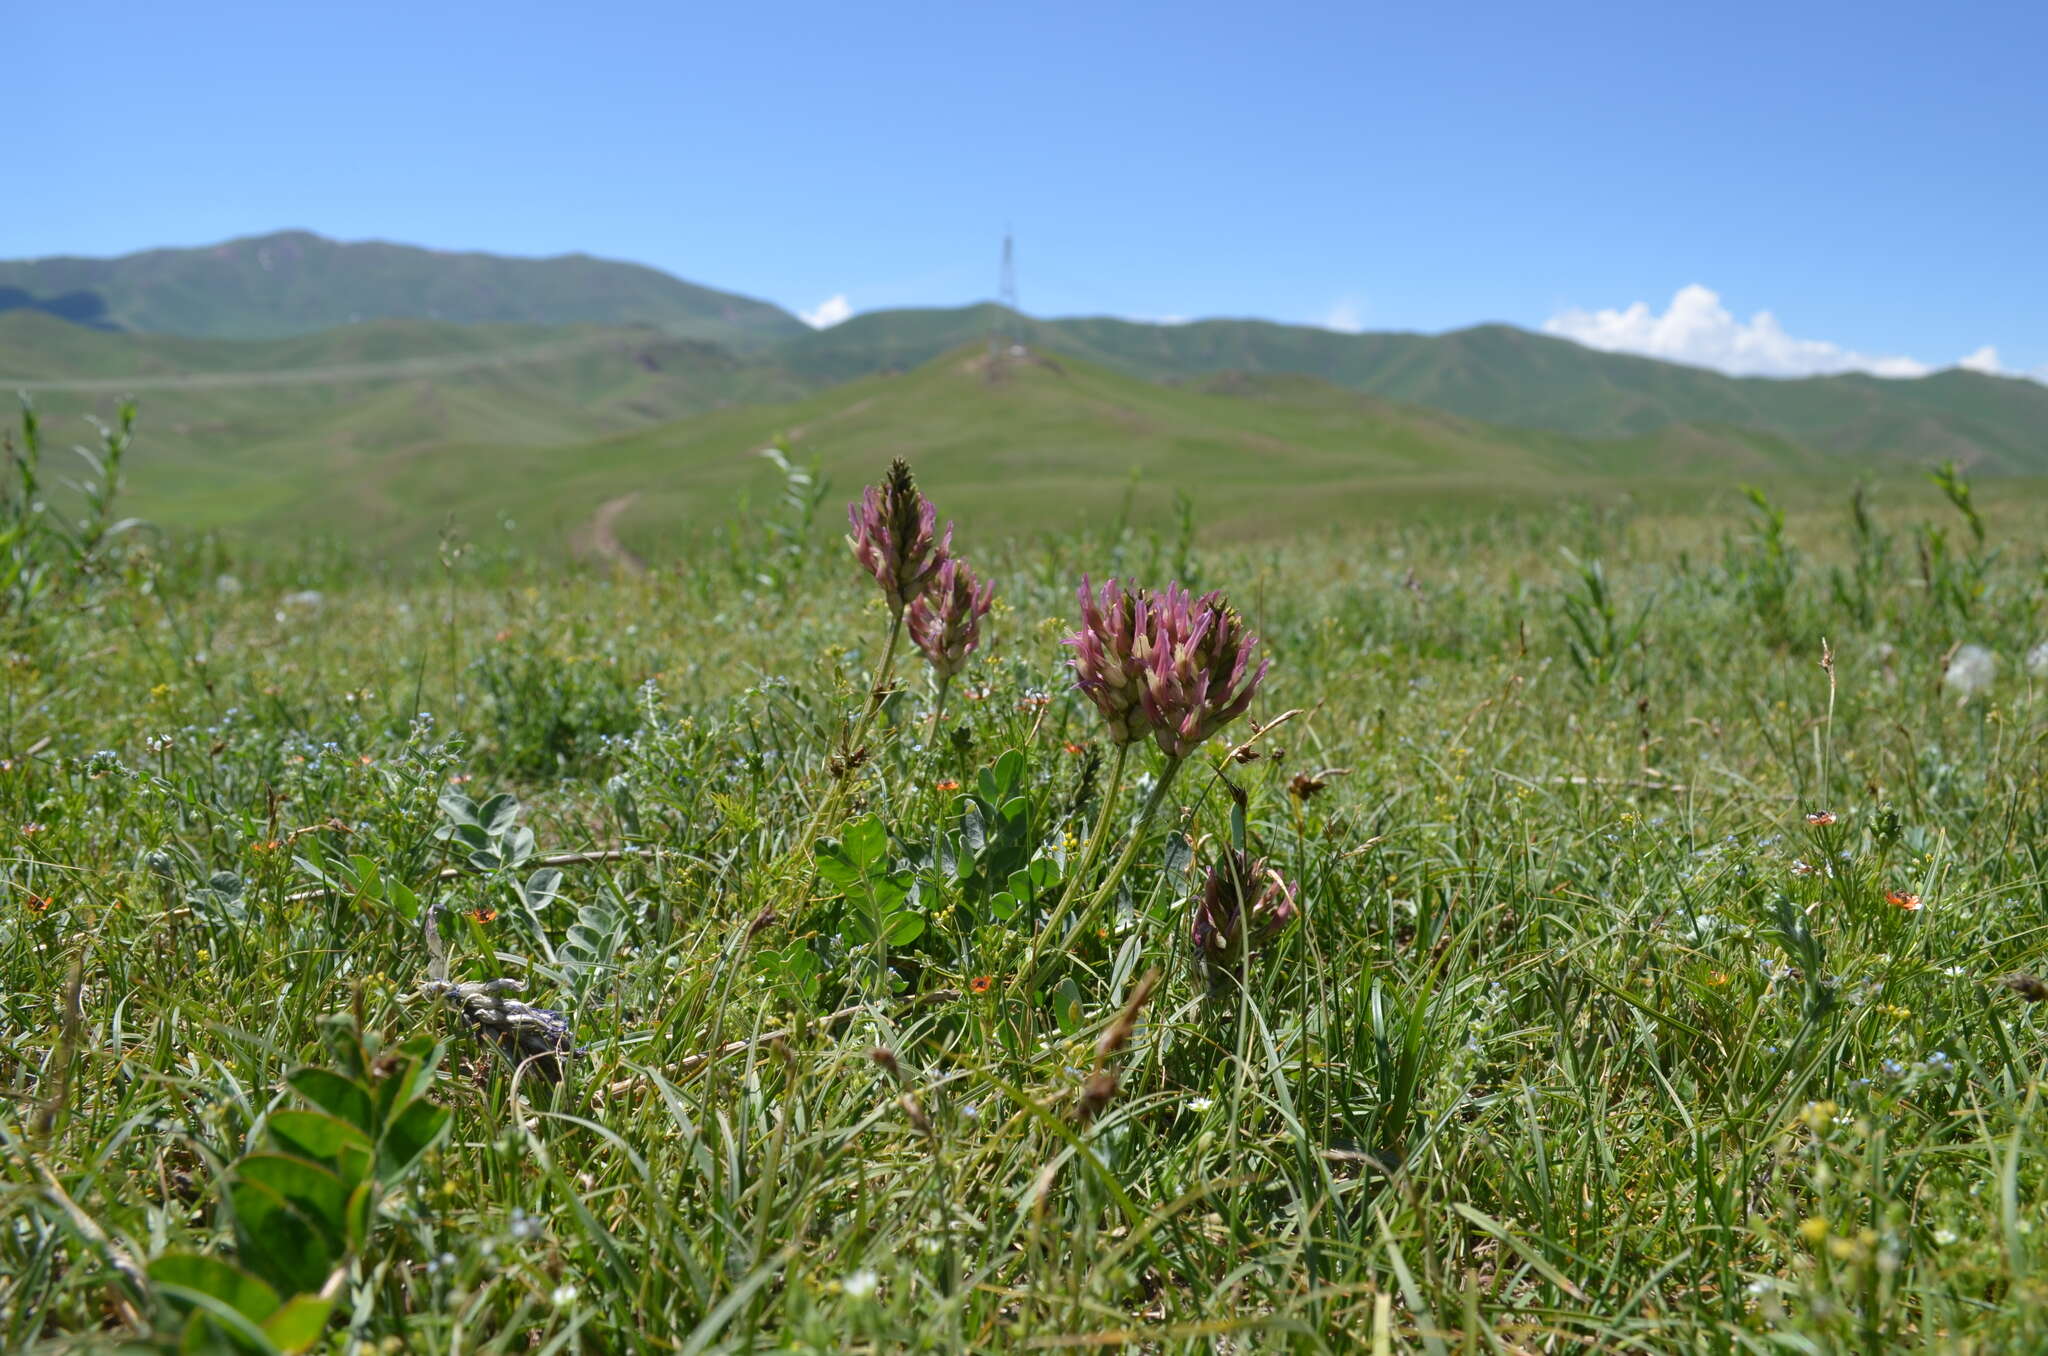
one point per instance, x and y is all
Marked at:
(939, 704)
(1096, 839)
(1130, 852)
(822, 820)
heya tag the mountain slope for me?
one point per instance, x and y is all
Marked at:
(295, 282)
(1499, 374)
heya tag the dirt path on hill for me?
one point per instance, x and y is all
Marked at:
(599, 537)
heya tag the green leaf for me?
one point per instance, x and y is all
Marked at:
(226, 1282)
(865, 842)
(316, 1192)
(299, 1323)
(905, 927)
(497, 814)
(403, 899)
(278, 1243)
(336, 1095)
(418, 1128)
(973, 832)
(835, 867)
(315, 1134)
(356, 1218)
(541, 888)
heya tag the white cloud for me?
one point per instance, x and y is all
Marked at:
(1346, 317)
(1987, 361)
(828, 313)
(1984, 359)
(1696, 328)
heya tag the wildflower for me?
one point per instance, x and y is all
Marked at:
(562, 1296)
(1821, 819)
(892, 537)
(1900, 899)
(1196, 679)
(31, 829)
(945, 620)
(946, 784)
(1076, 749)
(860, 1285)
(483, 913)
(1969, 671)
(523, 1226)
(1200, 1104)
(1109, 656)
(37, 903)
(1240, 885)
(980, 983)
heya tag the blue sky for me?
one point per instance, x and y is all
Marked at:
(1870, 175)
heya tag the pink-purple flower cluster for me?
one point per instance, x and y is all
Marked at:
(1240, 886)
(945, 620)
(893, 537)
(1170, 665)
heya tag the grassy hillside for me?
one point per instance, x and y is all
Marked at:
(1047, 445)
(1503, 375)
(277, 437)
(295, 282)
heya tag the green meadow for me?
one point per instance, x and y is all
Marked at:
(1618, 922)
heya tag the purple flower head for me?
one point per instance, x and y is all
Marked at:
(1109, 656)
(945, 621)
(892, 536)
(1198, 674)
(1238, 887)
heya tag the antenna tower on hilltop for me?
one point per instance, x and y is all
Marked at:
(1002, 335)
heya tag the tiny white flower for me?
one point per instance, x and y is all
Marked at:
(563, 1296)
(1201, 1103)
(860, 1285)
(1944, 1236)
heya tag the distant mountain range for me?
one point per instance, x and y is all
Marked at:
(294, 282)
(273, 368)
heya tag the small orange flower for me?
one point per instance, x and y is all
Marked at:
(1820, 819)
(1910, 903)
(1072, 747)
(945, 784)
(981, 983)
(1036, 701)
(483, 914)
(978, 694)
(38, 903)
(1717, 978)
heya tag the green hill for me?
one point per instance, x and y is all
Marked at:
(1503, 375)
(269, 436)
(1049, 443)
(295, 282)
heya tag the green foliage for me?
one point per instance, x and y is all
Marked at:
(47, 559)
(306, 1206)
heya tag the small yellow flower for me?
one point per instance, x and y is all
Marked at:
(1813, 1229)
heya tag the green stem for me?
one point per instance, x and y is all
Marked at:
(1130, 852)
(1096, 840)
(939, 706)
